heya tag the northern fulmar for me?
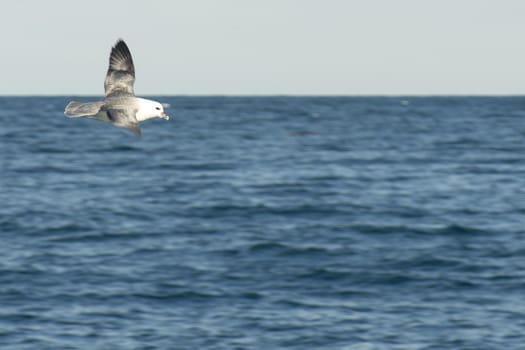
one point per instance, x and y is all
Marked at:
(120, 106)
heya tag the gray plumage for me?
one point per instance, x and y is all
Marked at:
(121, 72)
(120, 106)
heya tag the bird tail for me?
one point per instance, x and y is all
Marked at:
(79, 109)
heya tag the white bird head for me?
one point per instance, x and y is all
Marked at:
(150, 109)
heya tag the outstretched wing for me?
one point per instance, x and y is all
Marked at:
(79, 109)
(121, 72)
(123, 119)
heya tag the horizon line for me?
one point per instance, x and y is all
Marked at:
(416, 95)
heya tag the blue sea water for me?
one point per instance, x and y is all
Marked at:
(265, 223)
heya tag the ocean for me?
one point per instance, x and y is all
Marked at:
(265, 223)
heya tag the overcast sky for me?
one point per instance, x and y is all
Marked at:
(239, 47)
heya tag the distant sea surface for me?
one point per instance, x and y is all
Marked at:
(265, 223)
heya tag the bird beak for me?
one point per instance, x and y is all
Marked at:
(164, 116)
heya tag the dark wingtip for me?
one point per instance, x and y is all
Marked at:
(120, 42)
(120, 46)
(120, 58)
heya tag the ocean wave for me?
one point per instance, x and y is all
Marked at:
(440, 230)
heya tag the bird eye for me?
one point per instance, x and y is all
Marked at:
(157, 108)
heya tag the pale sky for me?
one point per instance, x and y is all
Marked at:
(267, 47)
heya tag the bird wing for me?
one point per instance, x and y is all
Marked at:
(79, 109)
(121, 72)
(124, 119)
